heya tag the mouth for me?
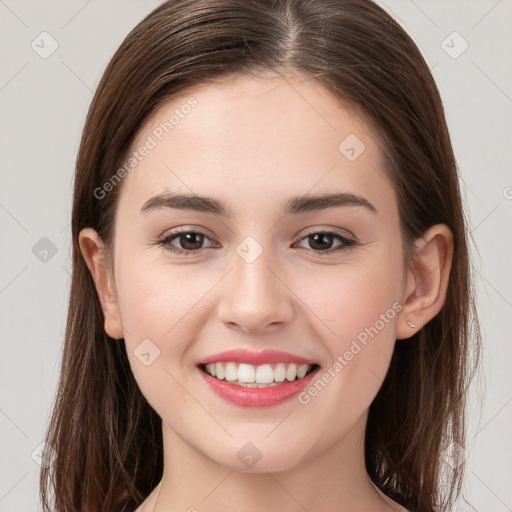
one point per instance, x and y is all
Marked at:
(257, 376)
(257, 385)
(248, 378)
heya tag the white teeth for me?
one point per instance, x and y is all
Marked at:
(264, 375)
(255, 384)
(246, 373)
(291, 372)
(219, 371)
(231, 371)
(211, 369)
(302, 370)
(279, 372)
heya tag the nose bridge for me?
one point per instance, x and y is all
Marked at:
(252, 275)
(255, 297)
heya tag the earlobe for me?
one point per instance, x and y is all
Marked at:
(427, 280)
(93, 251)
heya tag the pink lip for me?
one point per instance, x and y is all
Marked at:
(257, 397)
(255, 358)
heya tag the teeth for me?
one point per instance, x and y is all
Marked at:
(302, 370)
(291, 372)
(279, 372)
(264, 375)
(231, 372)
(246, 373)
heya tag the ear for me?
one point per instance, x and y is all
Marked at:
(93, 251)
(427, 281)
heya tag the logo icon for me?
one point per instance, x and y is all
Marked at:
(44, 45)
(351, 147)
(249, 249)
(454, 45)
(454, 455)
(249, 455)
(44, 250)
(146, 352)
(44, 455)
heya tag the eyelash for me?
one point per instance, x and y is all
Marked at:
(347, 243)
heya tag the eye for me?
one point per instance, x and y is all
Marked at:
(190, 241)
(322, 242)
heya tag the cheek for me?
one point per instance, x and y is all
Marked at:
(158, 300)
(358, 305)
(162, 310)
(349, 298)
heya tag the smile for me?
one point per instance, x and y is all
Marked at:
(261, 376)
(256, 379)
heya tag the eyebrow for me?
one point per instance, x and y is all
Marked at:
(294, 205)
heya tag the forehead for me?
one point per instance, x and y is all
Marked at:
(262, 138)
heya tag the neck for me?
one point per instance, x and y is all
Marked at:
(335, 479)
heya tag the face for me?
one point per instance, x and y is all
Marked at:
(258, 271)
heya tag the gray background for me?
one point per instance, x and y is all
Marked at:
(43, 103)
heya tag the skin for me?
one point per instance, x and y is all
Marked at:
(252, 143)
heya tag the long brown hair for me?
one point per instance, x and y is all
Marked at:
(107, 438)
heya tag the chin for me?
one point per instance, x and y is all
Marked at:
(260, 457)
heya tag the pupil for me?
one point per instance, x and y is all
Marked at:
(189, 237)
(324, 238)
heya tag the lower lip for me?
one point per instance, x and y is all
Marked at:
(257, 397)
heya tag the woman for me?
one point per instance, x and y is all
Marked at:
(271, 305)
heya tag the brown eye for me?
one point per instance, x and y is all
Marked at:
(189, 241)
(322, 241)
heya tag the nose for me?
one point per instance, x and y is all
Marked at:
(255, 297)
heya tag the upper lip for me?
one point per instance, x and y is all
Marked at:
(255, 358)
